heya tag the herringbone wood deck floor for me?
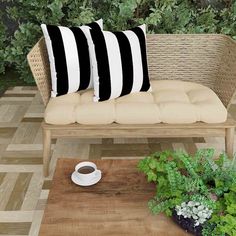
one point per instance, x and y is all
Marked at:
(23, 190)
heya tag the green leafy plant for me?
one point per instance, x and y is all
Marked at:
(3, 39)
(217, 4)
(181, 178)
(163, 16)
(16, 52)
(225, 221)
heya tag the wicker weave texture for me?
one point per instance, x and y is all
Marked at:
(225, 85)
(207, 59)
(39, 65)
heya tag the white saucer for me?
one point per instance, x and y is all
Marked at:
(75, 179)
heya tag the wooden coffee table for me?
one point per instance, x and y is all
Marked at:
(117, 205)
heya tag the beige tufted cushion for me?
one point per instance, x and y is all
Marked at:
(170, 101)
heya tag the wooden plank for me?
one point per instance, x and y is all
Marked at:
(137, 133)
(16, 216)
(21, 161)
(18, 193)
(114, 130)
(19, 228)
(117, 205)
(47, 184)
(6, 188)
(2, 176)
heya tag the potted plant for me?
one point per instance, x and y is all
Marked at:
(198, 192)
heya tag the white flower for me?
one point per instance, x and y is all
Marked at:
(197, 223)
(201, 220)
(194, 210)
(179, 213)
(191, 203)
(200, 214)
(201, 207)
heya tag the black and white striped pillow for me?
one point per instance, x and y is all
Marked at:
(120, 63)
(69, 52)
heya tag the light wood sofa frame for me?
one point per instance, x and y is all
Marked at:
(206, 59)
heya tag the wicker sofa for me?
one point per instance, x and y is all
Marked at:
(209, 60)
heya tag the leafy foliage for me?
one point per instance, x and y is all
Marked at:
(15, 53)
(182, 178)
(163, 16)
(2, 45)
(226, 220)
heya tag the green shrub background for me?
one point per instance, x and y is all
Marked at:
(161, 16)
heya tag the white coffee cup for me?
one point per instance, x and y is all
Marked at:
(87, 176)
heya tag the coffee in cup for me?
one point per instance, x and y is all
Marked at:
(87, 171)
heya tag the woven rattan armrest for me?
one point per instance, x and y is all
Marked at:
(39, 65)
(225, 83)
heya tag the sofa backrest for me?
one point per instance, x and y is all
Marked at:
(193, 57)
(208, 59)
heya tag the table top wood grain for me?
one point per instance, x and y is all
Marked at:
(117, 205)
